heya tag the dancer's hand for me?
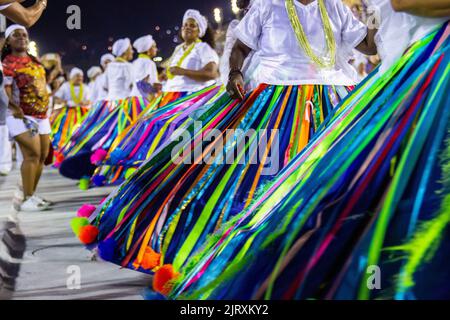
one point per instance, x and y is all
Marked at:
(177, 71)
(17, 113)
(43, 3)
(235, 86)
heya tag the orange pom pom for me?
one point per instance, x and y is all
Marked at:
(88, 234)
(163, 278)
(151, 259)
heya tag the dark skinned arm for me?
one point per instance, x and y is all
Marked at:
(368, 46)
(25, 16)
(3, 2)
(207, 73)
(15, 109)
(236, 81)
(423, 8)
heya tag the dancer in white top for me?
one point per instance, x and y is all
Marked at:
(100, 89)
(145, 71)
(194, 64)
(93, 74)
(293, 102)
(300, 233)
(74, 93)
(74, 96)
(119, 77)
(282, 60)
(231, 38)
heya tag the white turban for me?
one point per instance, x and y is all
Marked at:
(197, 16)
(12, 28)
(121, 46)
(94, 71)
(76, 72)
(106, 57)
(144, 44)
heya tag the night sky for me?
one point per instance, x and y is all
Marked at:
(102, 20)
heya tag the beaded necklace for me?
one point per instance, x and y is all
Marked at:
(327, 62)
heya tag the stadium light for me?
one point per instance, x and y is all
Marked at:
(33, 49)
(218, 15)
(234, 7)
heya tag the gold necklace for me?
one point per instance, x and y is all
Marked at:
(76, 99)
(327, 62)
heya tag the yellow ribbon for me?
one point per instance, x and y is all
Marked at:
(144, 56)
(120, 59)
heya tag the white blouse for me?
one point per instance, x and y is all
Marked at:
(230, 40)
(266, 29)
(398, 31)
(64, 93)
(100, 91)
(249, 65)
(119, 80)
(143, 68)
(201, 55)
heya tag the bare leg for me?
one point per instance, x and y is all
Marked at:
(45, 147)
(31, 150)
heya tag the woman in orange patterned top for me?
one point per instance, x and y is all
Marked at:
(27, 121)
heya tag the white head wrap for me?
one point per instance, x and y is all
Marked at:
(76, 72)
(121, 46)
(13, 28)
(201, 20)
(144, 44)
(94, 71)
(106, 57)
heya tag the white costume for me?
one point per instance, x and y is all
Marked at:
(266, 29)
(65, 93)
(119, 77)
(119, 80)
(143, 67)
(92, 73)
(250, 62)
(201, 55)
(101, 92)
(230, 40)
(398, 31)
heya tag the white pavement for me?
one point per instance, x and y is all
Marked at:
(38, 250)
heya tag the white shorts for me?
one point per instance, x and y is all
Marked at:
(17, 127)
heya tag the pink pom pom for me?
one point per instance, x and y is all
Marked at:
(86, 211)
(98, 156)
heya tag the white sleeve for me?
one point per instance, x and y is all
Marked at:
(130, 75)
(61, 93)
(208, 55)
(93, 92)
(86, 92)
(353, 31)
(249, 30)
(153, 73)
(105, 82)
